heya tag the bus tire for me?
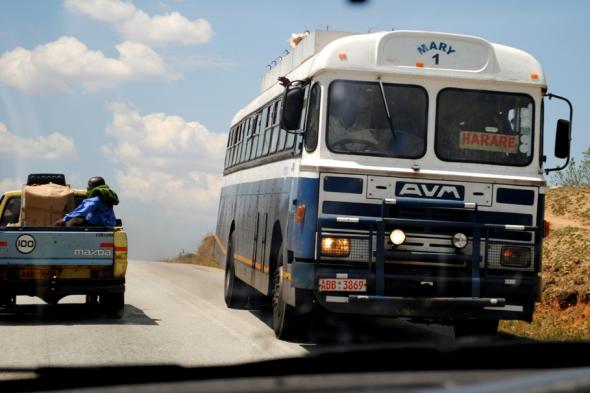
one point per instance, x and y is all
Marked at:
(235, 291)
(286, 323)
(476, 327)
(113, 304)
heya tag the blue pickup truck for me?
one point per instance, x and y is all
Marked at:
(53, 262)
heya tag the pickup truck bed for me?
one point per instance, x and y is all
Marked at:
(64, 261)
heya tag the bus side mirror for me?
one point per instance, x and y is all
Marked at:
(562, 139)
(292, 107)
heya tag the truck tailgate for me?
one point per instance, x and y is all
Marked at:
(51, 247)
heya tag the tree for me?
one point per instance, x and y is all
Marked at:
(576, 175)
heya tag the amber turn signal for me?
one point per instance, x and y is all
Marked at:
(300, 214)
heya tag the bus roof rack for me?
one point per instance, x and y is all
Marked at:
(45, 178)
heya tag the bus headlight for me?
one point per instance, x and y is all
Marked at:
(335, 247)
(459, 240)
(397, 237)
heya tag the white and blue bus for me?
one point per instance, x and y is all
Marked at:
(394, 174)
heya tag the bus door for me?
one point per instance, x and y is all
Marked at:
(260, 232)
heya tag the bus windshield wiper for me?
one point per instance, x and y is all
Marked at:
(390, 121)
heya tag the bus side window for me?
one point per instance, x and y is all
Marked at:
(268, 116)
(260, 143)
(228, 158)
(313, 119)
(236, 152)
(275, 118)
(282, 139)
(280, 132)
(245, 140)
(269, 128)
(233, 145)
(266, 145)
(239, 145)
(227, 149)
(253, 138)
(260, 140)
(229, 136)
(276, 128)
(274, 139)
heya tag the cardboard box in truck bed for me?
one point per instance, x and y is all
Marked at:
(42, 205)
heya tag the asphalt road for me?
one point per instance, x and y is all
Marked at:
(174, 314)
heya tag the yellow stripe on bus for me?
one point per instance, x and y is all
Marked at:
(223, 249)
(243, 259)
(240, 258)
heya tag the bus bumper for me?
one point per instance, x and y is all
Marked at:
(439, 308)
(443, 297)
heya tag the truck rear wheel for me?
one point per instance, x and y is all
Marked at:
(476, 327)
(113, 304)
(7, 301)
(92, 300)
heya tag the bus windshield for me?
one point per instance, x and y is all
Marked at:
(484, 127)
(358, 124)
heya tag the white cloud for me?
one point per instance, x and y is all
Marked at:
(165, 159)
(51, 147)
(138, 26)
(9, 185)
(198, 192)
(65, 63)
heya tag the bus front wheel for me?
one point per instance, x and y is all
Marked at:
(285, 321)
(235, 291)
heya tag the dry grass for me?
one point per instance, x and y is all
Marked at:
(564, 310)
(205, 255)
(569, 203)
(553, 323)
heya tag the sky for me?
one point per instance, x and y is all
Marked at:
(142, 92)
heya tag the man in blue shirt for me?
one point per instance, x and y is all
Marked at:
(96, 209)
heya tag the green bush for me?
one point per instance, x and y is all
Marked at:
(576, 174)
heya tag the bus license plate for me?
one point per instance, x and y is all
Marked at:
(343, 285)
